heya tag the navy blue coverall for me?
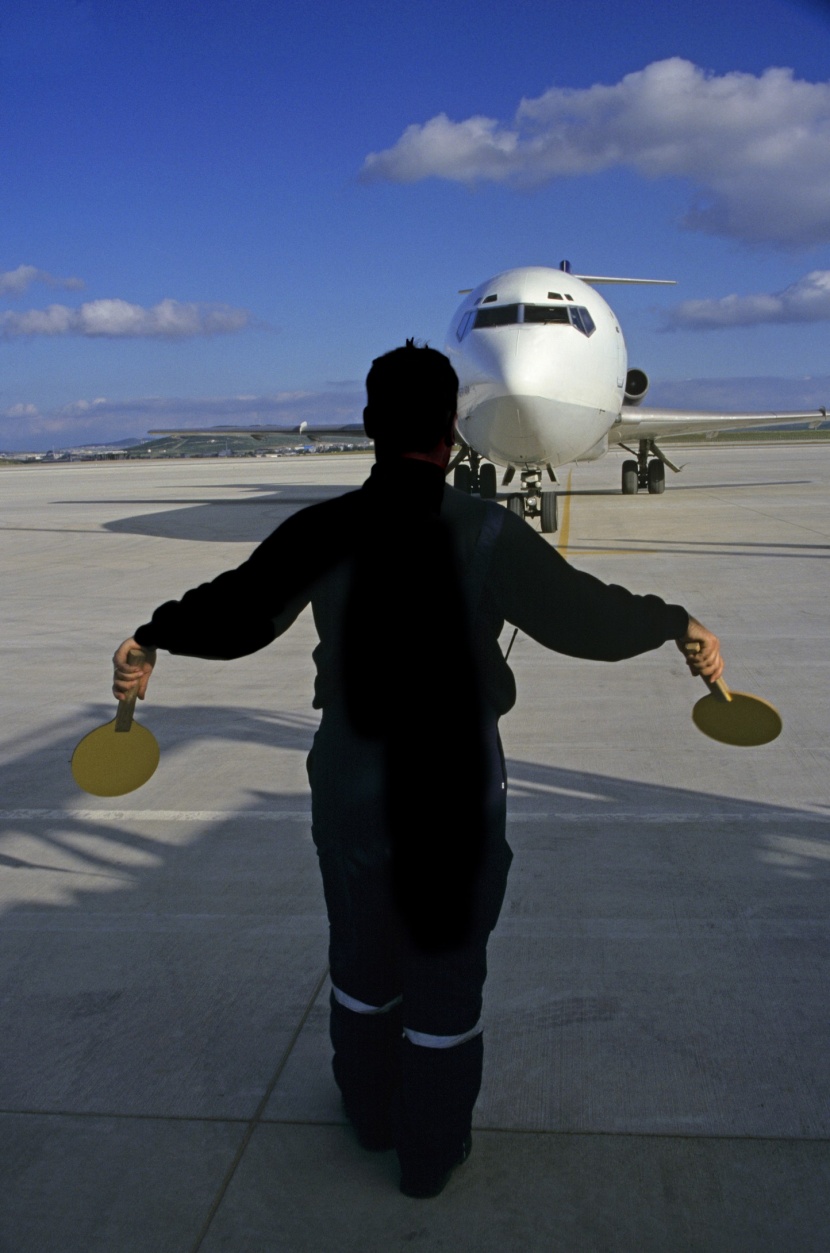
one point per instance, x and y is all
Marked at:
(406, 1000)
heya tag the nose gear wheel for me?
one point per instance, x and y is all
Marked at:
(534, 503)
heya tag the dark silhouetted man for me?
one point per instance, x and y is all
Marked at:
(410, 584)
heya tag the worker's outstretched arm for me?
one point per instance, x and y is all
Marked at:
(574, 613)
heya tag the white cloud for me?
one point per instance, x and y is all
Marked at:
(22, 411)
(807, 300)
(16, 282)
(118, 319)
(756, 148)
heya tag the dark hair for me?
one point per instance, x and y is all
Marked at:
(412, 395)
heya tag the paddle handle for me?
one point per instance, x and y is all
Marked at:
(718, 688)
(126, 707)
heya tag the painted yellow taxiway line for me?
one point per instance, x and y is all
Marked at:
(565, 528)
(565, 532)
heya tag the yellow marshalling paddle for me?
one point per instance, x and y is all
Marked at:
(735, 717)
(120, 756)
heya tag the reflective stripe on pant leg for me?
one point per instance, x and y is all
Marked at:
(427, 1041)
(360, 1007)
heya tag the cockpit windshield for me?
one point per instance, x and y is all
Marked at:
(511, 315)
(546, 313)
(497, 315)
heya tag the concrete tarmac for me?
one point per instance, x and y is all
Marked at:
(656, 1048)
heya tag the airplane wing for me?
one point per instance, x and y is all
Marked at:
(304, 433)
(641, 423)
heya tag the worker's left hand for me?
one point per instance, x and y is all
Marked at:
(701, 648)
(127, 675)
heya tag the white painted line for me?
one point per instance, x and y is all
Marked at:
(154, 815)
(651, 818)
(643, 817)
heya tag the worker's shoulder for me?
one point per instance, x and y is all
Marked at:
(471, 512)
(331, 515)
(460, 508)
(328, 511)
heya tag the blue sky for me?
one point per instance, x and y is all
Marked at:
(221, 211)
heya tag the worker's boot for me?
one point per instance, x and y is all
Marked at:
(439, 1087)
(366, 1065)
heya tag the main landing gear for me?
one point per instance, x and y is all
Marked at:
(473, 475)
(648, 472)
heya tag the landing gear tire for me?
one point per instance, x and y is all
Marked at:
(516, 505)
(630, 477)
(550, 512)
(487, 483)
(656, 477)
(462, 479)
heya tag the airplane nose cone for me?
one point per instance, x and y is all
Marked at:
(516, 428)
(530, 411)
(533, 395)
(533, 430)
(522, 363)
(523, 376)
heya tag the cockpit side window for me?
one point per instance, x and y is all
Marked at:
(582, 319)
(500, 315)
(464, 325)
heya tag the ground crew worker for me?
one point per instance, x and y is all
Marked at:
(410, 584)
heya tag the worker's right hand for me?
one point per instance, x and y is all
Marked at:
(701, 648)
(127, 675)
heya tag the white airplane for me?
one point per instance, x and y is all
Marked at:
(544, 381)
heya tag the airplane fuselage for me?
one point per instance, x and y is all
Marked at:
(542, 364)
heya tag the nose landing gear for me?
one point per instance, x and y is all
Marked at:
(534, 503)
(473, 475)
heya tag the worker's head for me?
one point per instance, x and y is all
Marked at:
(412, 397)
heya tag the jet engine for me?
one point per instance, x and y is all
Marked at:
(636, 386)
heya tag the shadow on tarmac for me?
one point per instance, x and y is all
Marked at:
(239, 519)
(40, 776)
(701, 548)
(253, 872)
(162, 970)
(684, 487)
(250, 519)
